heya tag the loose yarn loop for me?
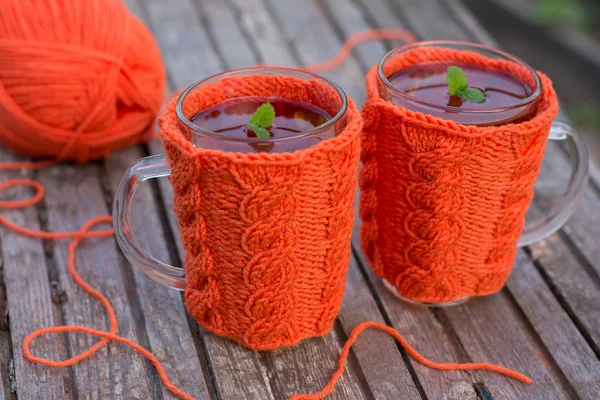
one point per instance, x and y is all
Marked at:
(444, 222)
(86, 232)
(77, 236)
(78, 79)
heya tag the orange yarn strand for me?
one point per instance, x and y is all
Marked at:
(355, 39)
(411, 351)
(78, 237)
(85, 233)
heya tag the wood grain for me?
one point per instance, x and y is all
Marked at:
(6, 357)
(315, 45)
(428, 336)
(29, 297)
(235, 49)
(73, 196)
(378, 356)
(568, 347)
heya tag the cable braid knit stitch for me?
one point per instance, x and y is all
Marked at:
(443, 204)
(267, 236)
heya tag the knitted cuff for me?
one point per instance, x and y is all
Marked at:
(267, 236)
(443, 204)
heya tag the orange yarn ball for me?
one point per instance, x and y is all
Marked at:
(78, 78)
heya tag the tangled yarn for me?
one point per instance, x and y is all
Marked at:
(78, 78)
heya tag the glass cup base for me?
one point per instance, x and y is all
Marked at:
(452, 303)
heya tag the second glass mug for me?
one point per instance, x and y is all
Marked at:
(157, 166)
(557, 209)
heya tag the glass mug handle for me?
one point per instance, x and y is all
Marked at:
(551, 221)
(142, 170)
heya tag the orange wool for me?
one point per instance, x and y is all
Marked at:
(78, 78)
(442, 204)
(267, 236)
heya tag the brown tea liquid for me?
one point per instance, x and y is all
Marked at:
(427, 82)
(230, 118)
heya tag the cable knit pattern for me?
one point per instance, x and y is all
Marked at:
(443, 204)
(267, 236)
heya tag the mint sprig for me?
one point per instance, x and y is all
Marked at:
(456, 79)
(262, 119)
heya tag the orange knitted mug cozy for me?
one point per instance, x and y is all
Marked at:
(267, 236)
(443, 204)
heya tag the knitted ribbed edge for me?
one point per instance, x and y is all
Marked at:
(443, 204)
(267, 236)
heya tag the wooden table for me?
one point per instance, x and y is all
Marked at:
(545, 323)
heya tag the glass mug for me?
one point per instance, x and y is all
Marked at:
(157, 166)
(553, 210)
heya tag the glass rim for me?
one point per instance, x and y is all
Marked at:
(534, 96)
(272, 70)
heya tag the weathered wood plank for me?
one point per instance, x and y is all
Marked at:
(566, 344)
(379, 14)
(238, 372)
(377, 354)
(235, 47)
(427, 19)
(184, 44)
(306, 367)
(317, 44)
(457, 10)
(350, 19)
(257, 22)
(158, 308)
(489, 330)
(29, 296)
(73, 196)
(428, 336)
(576, 290)
(6, 356)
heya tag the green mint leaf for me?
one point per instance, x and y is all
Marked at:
(263, 117)
(456, 80)
(472, 94)
(260, 132)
